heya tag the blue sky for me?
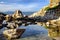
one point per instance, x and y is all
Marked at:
(23, 5)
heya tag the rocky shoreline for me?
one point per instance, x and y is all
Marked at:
(49, 17)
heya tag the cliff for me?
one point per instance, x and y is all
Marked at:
(39, 13)
(42, 12)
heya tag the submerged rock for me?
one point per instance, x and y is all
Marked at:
(13, 33)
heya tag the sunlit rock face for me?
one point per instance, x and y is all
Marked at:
(13, 33)
(53, 12)
(39, 13)
(53, 17)
(49, 14)
(17, 14)
(54, 28)
(54, 3)
(42, 12)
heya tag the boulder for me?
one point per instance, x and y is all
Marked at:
(17, 14)
(13, 33)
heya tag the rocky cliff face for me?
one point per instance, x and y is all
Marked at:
(44, 10)
(47, 14)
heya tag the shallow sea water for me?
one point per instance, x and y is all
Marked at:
(33, 32)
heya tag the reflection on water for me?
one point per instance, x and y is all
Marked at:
(32, 31)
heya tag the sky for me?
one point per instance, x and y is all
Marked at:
(23, 5)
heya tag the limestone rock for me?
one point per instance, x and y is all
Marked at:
(17, 14)
(53, 3)
(54, 28)
(13, 33)
(8, 18)
(42, 12)
(39, 13)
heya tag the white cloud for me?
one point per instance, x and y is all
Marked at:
(14, 6)
(2, 2)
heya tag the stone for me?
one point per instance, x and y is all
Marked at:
(13, 33)
(8, 18)
(17, 14)
(53, 3)
(39, 13)
(42, 12)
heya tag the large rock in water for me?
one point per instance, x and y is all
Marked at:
(47, 11)
(39, 13)
(17, 14)
(13, 33)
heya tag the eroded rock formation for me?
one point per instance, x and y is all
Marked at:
(17, 14)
